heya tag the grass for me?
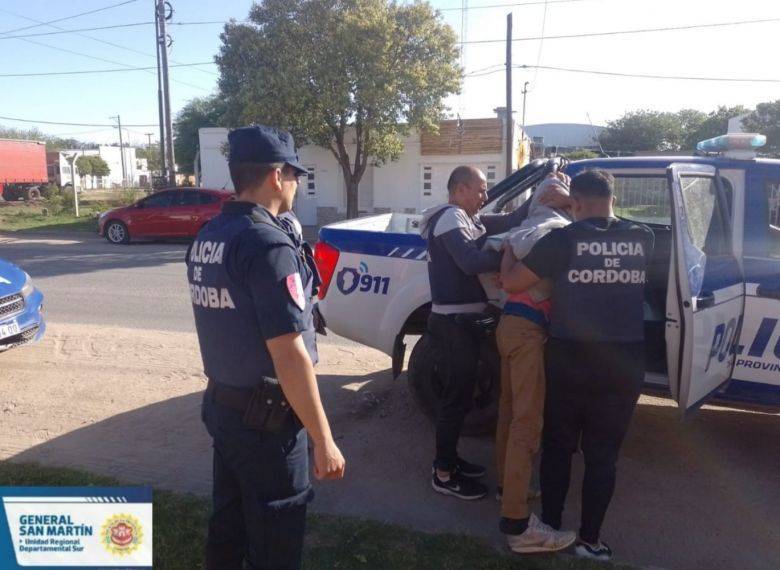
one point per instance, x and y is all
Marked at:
(331, 541)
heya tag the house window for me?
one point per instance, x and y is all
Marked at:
(311, 187)
(491, 176)
(427, 180)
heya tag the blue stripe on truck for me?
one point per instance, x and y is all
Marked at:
(381, 244)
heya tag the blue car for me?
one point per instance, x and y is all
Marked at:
(21, 305)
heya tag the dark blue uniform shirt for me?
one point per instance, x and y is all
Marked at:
(598, 270)
(249, 283)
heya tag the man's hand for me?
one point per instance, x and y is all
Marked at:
(328, 461)
(554, 191)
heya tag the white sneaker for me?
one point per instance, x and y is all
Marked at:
(600, 551)
(539, 537)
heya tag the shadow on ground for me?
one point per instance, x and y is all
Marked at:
(702, 494)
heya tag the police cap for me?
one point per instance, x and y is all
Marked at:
(262, 144)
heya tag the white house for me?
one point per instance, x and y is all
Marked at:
(414, 182)
(136, 170)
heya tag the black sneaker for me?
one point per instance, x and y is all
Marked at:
(470, 470)
(600, 551)
(459, 486)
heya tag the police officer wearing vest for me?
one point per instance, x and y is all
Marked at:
(251, 283)
(594, 359)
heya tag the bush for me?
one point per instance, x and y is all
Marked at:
(50, 190)
(55, 204)
(67, 200)
(581, 154)
(128, 196)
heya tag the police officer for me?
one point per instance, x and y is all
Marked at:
(594, 358)
(251, 286)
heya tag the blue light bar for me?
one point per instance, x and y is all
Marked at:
(732, 141)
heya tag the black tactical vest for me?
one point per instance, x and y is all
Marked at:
(600, 295)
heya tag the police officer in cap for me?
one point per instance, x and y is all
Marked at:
(251, 286)
(594, 359)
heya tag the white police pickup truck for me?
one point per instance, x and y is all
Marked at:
(713, 300)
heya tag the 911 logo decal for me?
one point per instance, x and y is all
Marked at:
(351, 279)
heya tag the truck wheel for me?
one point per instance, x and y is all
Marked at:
(33, 194)
(425, 383)
(116, 232)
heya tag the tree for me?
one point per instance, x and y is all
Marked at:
(766, 120)
(352, 76)
(197, 113)
(152, 156)
(714, 124)
(643, 130)
(99, 166)
(84, 164)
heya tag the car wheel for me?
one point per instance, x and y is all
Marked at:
(116, 232)
(426, 384)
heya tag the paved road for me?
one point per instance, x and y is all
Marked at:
(86, 280)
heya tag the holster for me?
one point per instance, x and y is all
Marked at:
(268, 409)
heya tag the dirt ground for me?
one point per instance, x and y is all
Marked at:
(125, 402)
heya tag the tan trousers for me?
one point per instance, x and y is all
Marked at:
(521, 409)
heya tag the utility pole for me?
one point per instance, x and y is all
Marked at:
(509, 120)
(121, 149)
(162, 43)
(71, 158)
(525, 92)
(163, 172)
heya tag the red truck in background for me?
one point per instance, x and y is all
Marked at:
(22, 168)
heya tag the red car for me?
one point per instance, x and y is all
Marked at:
(171, 213)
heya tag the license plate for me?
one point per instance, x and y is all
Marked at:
(9, 329)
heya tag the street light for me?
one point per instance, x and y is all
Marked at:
(71, 158)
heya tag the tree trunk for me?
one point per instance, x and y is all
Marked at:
(352, 198)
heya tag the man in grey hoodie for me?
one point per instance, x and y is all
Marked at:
(455, 233)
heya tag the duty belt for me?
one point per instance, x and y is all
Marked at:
(230, 396)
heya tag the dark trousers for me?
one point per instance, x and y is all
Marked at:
(261, 488)
(592, 390)
(458, 347)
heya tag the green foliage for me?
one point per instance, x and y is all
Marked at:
(662, 131)
(713, 124)
(643, 130)
(84, 164)
(341, 72)
(581, 155)
(197, 113)
(50, 190)
(53, 142)
(152, 155)
(99, 166)
(766, 120)
(128, 196)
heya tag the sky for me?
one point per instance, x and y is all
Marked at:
(741, 51)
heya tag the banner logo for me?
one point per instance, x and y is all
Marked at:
(122, 534)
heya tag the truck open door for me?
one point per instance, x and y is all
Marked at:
(706, 293)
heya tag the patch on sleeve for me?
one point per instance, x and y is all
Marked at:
(295, 289)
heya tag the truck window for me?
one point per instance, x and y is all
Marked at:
(643, 199)
(707, 222)
(773, 197)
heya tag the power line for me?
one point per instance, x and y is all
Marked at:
(89, 71)
(16, 119)
(93, 38)
(511, 5)
(89, 56)
(635, 31)
(653, 76)
(70, 17)
(68, 31)
(631, 75)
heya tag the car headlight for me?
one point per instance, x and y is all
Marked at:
(102, 215)
(27, 288)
